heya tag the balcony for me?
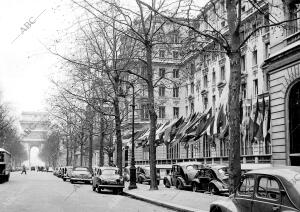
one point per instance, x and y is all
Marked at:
(293, 38)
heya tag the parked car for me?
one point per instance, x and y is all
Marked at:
(108, 178)
(246, 167)
(182, 174)
(212, 178)
(80, 174)
(67, 170)
(269, 189)
(143, 174)
(60, 172)
(32, 168)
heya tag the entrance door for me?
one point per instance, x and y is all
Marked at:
(294, 117)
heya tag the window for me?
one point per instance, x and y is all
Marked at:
(242, 33)
(244, 90)
(294, 10)
(267, 23)
(161, 91)
(222, 72)
(187, 90)
(205, 82)
(267, 50)
(175, 54)
(247, 186)
(162, 72)
(162, 53)
(174, 38)
(214, 102)
(175, 112)
(205, 102)
(186, 110)
(268, 188)
(254, 28)
(243, 63)
(192, 107)
(213, 77)
(255, 87)
(144, 112)
(176, 73)
(223, 23)
(162, 112)
(175, 91)
(254, 58)
(243, 8)
(192, 88)
(192, 69)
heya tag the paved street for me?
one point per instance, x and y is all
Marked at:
(39, 191)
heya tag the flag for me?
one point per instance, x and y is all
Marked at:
(221, 120)
(260, 122)
(204, 121)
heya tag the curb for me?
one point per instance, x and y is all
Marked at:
(163, 204)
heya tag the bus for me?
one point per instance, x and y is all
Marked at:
(5, 165)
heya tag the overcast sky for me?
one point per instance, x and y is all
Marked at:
(25, 64)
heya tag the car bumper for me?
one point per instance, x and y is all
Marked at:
(111, 186)
(80, 179)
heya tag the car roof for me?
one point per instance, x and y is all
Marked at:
(108, 167)
(188, 163)
(279, 171)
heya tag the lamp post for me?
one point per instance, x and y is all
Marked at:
(132, 184)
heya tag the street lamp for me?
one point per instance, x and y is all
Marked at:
(132, 184)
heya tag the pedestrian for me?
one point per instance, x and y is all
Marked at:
(23, 169)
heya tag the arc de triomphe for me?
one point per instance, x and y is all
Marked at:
(35, 126)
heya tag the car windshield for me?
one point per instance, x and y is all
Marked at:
(109, 172)
(81, 172)
(80, 169)
(223, 171)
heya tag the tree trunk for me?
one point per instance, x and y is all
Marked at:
(67, 159)
(118, 134)
(81, 154)
(91, 147)
(234, 97)
(101, 140)
(153, 120)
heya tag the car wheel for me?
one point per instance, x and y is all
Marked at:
(94, 188)
(71, 181)
(179, 185)
(120, 191)
(213, 189)
(167, 183)
(194, 187)
(64, 179)
(98, 189)
(157, 182)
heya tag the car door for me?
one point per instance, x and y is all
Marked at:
(267, 196)
(204, 180)
(244, 194)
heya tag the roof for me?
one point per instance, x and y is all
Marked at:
(3, 150)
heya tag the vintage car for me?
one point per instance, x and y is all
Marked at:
(269, 189)
(67, 170)
(81, 174)
(143, 174)
(108, 178)
(212, 178)
(182, 174)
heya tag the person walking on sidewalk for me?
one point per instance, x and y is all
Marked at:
(23, 169)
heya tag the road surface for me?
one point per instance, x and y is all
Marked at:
(43, 192)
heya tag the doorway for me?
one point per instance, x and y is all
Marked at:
(294, 125)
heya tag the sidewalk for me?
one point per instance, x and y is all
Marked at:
(173, 198)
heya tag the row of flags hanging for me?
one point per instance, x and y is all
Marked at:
(254, 124)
